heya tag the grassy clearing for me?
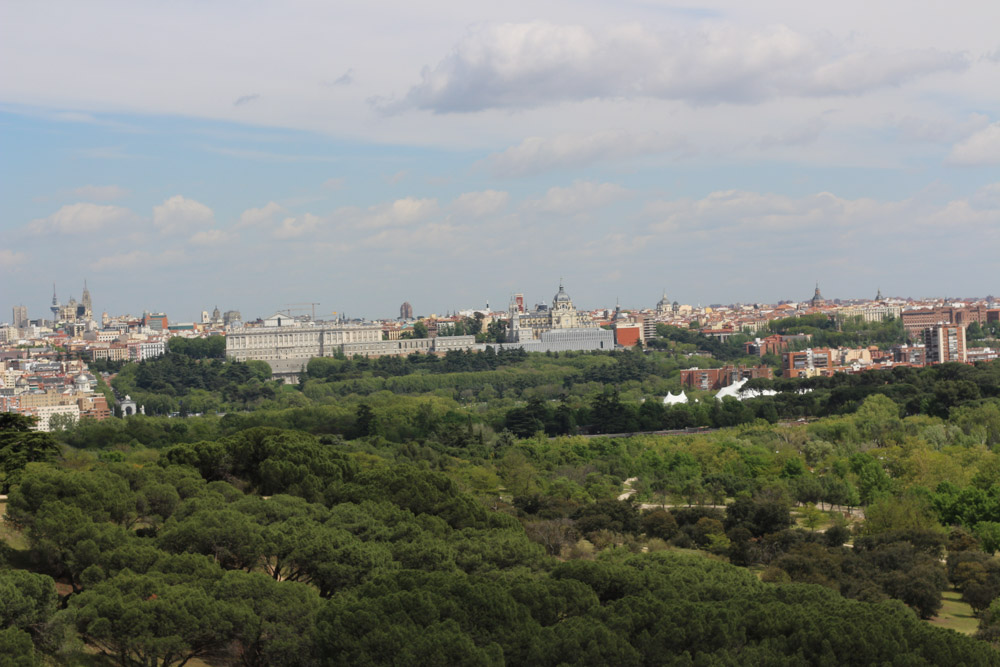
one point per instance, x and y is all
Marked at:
(9, 534)
(955, 614)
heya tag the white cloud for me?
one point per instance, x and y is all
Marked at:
(525, 65)
(982, 148)
(479, 204)
(10, 259)
(179, 214)
(211, 237)
(536, 154)
(400, 212)
(253, 217)
(100, 192)
(296, 227)
(939, 130)
(799, 135)
(137, 259)
(831, 224)
(445, 237)
(81, 218)
(580, 197)
(333, 184)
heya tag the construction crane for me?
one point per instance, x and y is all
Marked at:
(304, 303)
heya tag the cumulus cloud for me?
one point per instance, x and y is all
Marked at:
(255, 217)
(178, 214)
(81, 218)
(580, 197)
(296, 227)
(400, 212)
(100, 192)
(764, 212)
(479, 204)
(981, 148)
(526, 65)
(822, 219)
(536, 154)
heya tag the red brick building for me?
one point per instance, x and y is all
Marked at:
(713, 379)
(915, 321)
(807, 363)
(627, 334)
(945, 343)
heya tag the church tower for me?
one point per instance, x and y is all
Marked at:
(87, 306)
(817, 301)
(563, 312)
(663, 306)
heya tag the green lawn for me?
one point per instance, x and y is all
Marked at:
(12, 537)
(955, 614)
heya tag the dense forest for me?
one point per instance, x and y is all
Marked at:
(466, 510)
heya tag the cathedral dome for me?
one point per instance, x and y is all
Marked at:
(561, 296)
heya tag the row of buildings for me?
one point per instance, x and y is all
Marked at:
(287, 343)
(44, 388)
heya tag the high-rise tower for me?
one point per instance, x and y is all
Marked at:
(55, 304)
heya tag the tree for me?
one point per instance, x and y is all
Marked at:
(419, 330)
(365, 422)
(988, 533)
(62, 422)
(873, 483)
(812, 517)
(279, 625)
(27, 602)
(143, 619)
(659, 523)
(877, 419)
(16, 649)
(21, 445)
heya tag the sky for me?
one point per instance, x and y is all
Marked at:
(250, 155)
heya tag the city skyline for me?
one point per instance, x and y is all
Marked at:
(179, 159)
(308, 309)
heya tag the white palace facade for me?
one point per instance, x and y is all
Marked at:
(289, 345)
(289, 341)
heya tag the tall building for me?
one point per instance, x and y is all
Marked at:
(944, 343)
(20, 320)
(156, 321)
(807, 363)
(406, 311)
(55, 307)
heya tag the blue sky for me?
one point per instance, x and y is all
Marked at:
(184, 155)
